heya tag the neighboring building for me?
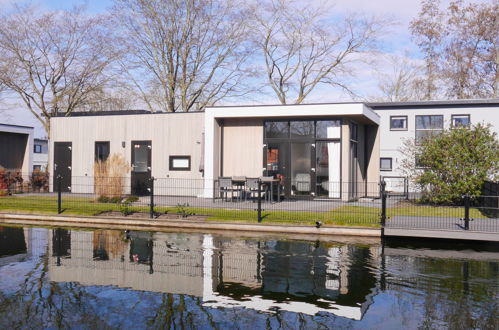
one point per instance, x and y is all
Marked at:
(40, 154)
(16, 146)
(400, 121)
(316, 150)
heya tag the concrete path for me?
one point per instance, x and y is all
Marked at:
(482, 229)
(157, 225)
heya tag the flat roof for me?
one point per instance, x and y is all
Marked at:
(119, 113)
(20, 126)
(358, 110)
(439, 103)
(373, 105)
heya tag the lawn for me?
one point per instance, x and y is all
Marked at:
(346, 215)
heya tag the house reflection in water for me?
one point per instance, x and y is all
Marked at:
(20, 244)
(267, 275)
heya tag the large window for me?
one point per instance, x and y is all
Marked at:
(328, 129)
(398, 123)
(101, 151)
(302, 129)
(460, 120)
(428, 126)
(277, 129)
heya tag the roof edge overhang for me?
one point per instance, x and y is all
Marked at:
(296, 111)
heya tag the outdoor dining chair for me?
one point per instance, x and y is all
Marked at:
(225, 187)
(238, 184)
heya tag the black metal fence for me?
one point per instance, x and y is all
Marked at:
(244, 199)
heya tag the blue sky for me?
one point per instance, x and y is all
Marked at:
(396, 41)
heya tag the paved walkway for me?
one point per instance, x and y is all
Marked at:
(482, 229)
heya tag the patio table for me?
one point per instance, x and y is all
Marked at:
(271, 183)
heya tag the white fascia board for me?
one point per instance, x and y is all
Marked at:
(299, 110)
(16, 129)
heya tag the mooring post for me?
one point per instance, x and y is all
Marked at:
(59, 194)
(151, 204)
(466, 212)
(259, 199)
(383, 204)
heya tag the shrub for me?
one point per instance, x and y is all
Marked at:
(106, 199)
(110, 176)
(125, 208)
(9, 180)
(131, 199)
(39, 180)
(182, 210)
(454, 163)
(3, 181)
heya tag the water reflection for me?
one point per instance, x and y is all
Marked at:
(12, 241)
(267, 275)
(125, 278)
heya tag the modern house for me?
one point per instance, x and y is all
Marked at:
(16, 145)
(333, 150)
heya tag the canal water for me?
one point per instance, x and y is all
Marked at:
(74, 278)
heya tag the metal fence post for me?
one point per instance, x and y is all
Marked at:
(59, 194)
(383, 204)
(466, 212)
(151, 205)
(259, 205)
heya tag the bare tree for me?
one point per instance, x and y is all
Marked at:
(427, 30)
(402, 82)
(53, 60)
(471, 58)
(304, 46)
(184, 55)
(461, 48)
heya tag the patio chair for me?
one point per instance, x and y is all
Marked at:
(268, 185)
(252, 188)
(238, 184)
(302, 182)
(225, 187)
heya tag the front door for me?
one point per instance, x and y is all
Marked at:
(292, 163)
(62, 165)
(141, 167)
(302, 170)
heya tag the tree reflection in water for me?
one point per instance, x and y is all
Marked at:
(105, 278)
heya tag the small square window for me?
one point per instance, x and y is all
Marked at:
(385, 164)
(180, 163)
(398, 123)
(460, 120)
(38, 148)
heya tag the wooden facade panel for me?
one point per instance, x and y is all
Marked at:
(170, 135)
(243, 147)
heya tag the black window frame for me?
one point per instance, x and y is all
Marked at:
(96, 155)
(391, 164)
(460, 115)
(174, 157)
(354, 131)
(37, 148)
(399, 129)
